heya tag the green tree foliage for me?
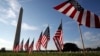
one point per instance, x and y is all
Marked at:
(70, 47)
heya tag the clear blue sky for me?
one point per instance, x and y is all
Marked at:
(40, 13)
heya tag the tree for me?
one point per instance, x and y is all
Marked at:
(3, 49)
(98, 49)
(70, 47)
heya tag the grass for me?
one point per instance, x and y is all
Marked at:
(49, 54)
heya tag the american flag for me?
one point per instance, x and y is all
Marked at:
(31, 46)
(45, 37)
(85, 17)
(38, 44)
(21, 45)
(16, 48)
(58, 38)
(26, 46)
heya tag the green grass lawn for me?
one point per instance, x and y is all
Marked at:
(49, 54)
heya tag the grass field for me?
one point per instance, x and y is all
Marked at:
(49, 54)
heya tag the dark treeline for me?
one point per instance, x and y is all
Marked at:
(74, 47)
(67, 47)
(93, 49)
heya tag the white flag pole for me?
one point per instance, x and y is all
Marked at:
(81, 39)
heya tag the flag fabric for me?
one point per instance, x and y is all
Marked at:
(16, 48)
(31, 46)
(26, 46)
(45, 38)
(21, 45)
(38, 44)
(58, 38)
(85, 17)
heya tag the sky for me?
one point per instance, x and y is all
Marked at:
(37, 15)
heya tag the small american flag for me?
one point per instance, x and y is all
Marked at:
(31, 46)
(85, 17)
(38, 44)
(45, 37)
(58, 38)
(21, 45)
(26, 46)
(16, 48)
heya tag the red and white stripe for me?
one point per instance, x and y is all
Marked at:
(84, 17)
(57, 44)
(31, 47)
(26, 46)
(38, 44)
(58, 40)
(16, 48)
(44, 41)
(21, 46)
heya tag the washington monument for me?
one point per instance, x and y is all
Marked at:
(18, 30)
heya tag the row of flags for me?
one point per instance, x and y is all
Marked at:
(70, 8)
(43, 41)
(26, 46)
(44, 38)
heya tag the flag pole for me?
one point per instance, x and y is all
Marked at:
(81, 39)
(47, 44)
